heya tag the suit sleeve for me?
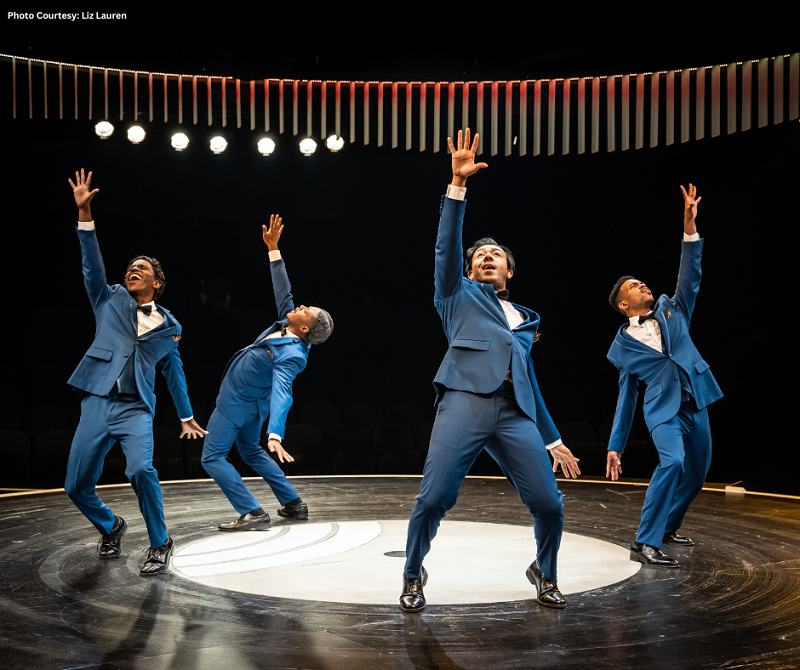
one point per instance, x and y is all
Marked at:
(282, 288)
(172, 369)
(94, 271)
(689, 276)
(623, 417)
(544, 422)
(447, 273)
(281, 399)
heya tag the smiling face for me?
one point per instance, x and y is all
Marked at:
(141, 282)
(635, 299)
(301, 319)
(490, 266)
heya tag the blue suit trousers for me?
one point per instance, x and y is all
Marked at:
(465, 424)
(105, 420)
(684, 450)
(221, 434)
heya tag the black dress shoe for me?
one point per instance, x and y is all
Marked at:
(111, 543)
(413, 599)
(648, 555)
(674, 538)
(158, 559)
(547, 592)
(248, 522)
(297, 511)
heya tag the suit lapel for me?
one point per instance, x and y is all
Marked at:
(662, 324)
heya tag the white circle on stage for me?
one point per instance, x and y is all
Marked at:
(362, 562)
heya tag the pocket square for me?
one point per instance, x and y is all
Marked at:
(668, 314)
(176, 337)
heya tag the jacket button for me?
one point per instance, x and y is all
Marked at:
(508, 342)
(675, 378)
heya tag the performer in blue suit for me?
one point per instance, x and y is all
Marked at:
(256, 384)
(487, 397)
(655, 347)
(116, 378)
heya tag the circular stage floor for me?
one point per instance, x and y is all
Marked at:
(323, 593)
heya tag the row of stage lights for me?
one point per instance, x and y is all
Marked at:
(218, 144)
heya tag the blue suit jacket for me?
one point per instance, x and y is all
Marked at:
(116, 339)
(663, 373)
(481, 345)
(263, 372)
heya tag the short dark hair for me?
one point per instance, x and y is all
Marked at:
(157, 271)
(614, 297)
(321, 329)
(482, 243)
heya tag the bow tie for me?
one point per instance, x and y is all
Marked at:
(283, 330)
(502, 295)
(646, 317)
(146, 309)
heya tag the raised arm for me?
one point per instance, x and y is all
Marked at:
(690, 273)
(449, 251)
(94, 271)
(280, 280)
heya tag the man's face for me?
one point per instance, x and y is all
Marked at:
(140, 278)
(634, 296)
(490, 266)
(302, 318)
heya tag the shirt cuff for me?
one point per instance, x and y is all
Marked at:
(189, 419)
(555, 444)
(86, 225)
(275, 436)
(456, 192)
(691, 238)
(274, 255)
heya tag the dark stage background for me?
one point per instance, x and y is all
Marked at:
(359, 237)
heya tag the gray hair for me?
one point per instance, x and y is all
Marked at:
(322, 328)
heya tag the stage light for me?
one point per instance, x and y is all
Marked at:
(266, 146)
(104, 130)
(136, 134)
(308, 146)
(180, 141)
(334, 143)
(218, 144)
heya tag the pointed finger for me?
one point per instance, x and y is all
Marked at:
(466, 138)
(460, 141)
(71, 184)
(89, 180)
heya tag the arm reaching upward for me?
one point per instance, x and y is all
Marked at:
(449, 260)
(280, 280)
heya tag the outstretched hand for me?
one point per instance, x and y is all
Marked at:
(277, 448)
(690, 202)
(82, 190)
(192, 429)
(464, 164)
(273, 234)
(563, 457)
(613, 465)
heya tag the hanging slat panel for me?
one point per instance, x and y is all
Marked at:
(523, 118)
(479, 117)
(625, 116)
(581, 102)
(595, 115)
(409, 111)
(715, 101)
(551, 117)
(611, 117)
(700, 103)
(777, 90)
(423, 92)
(731, 97)
(566, 89)
(508, 110)
(537, 117)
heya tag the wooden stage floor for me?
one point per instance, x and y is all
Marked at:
(733, 603)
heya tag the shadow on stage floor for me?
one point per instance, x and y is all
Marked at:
(734, 602)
